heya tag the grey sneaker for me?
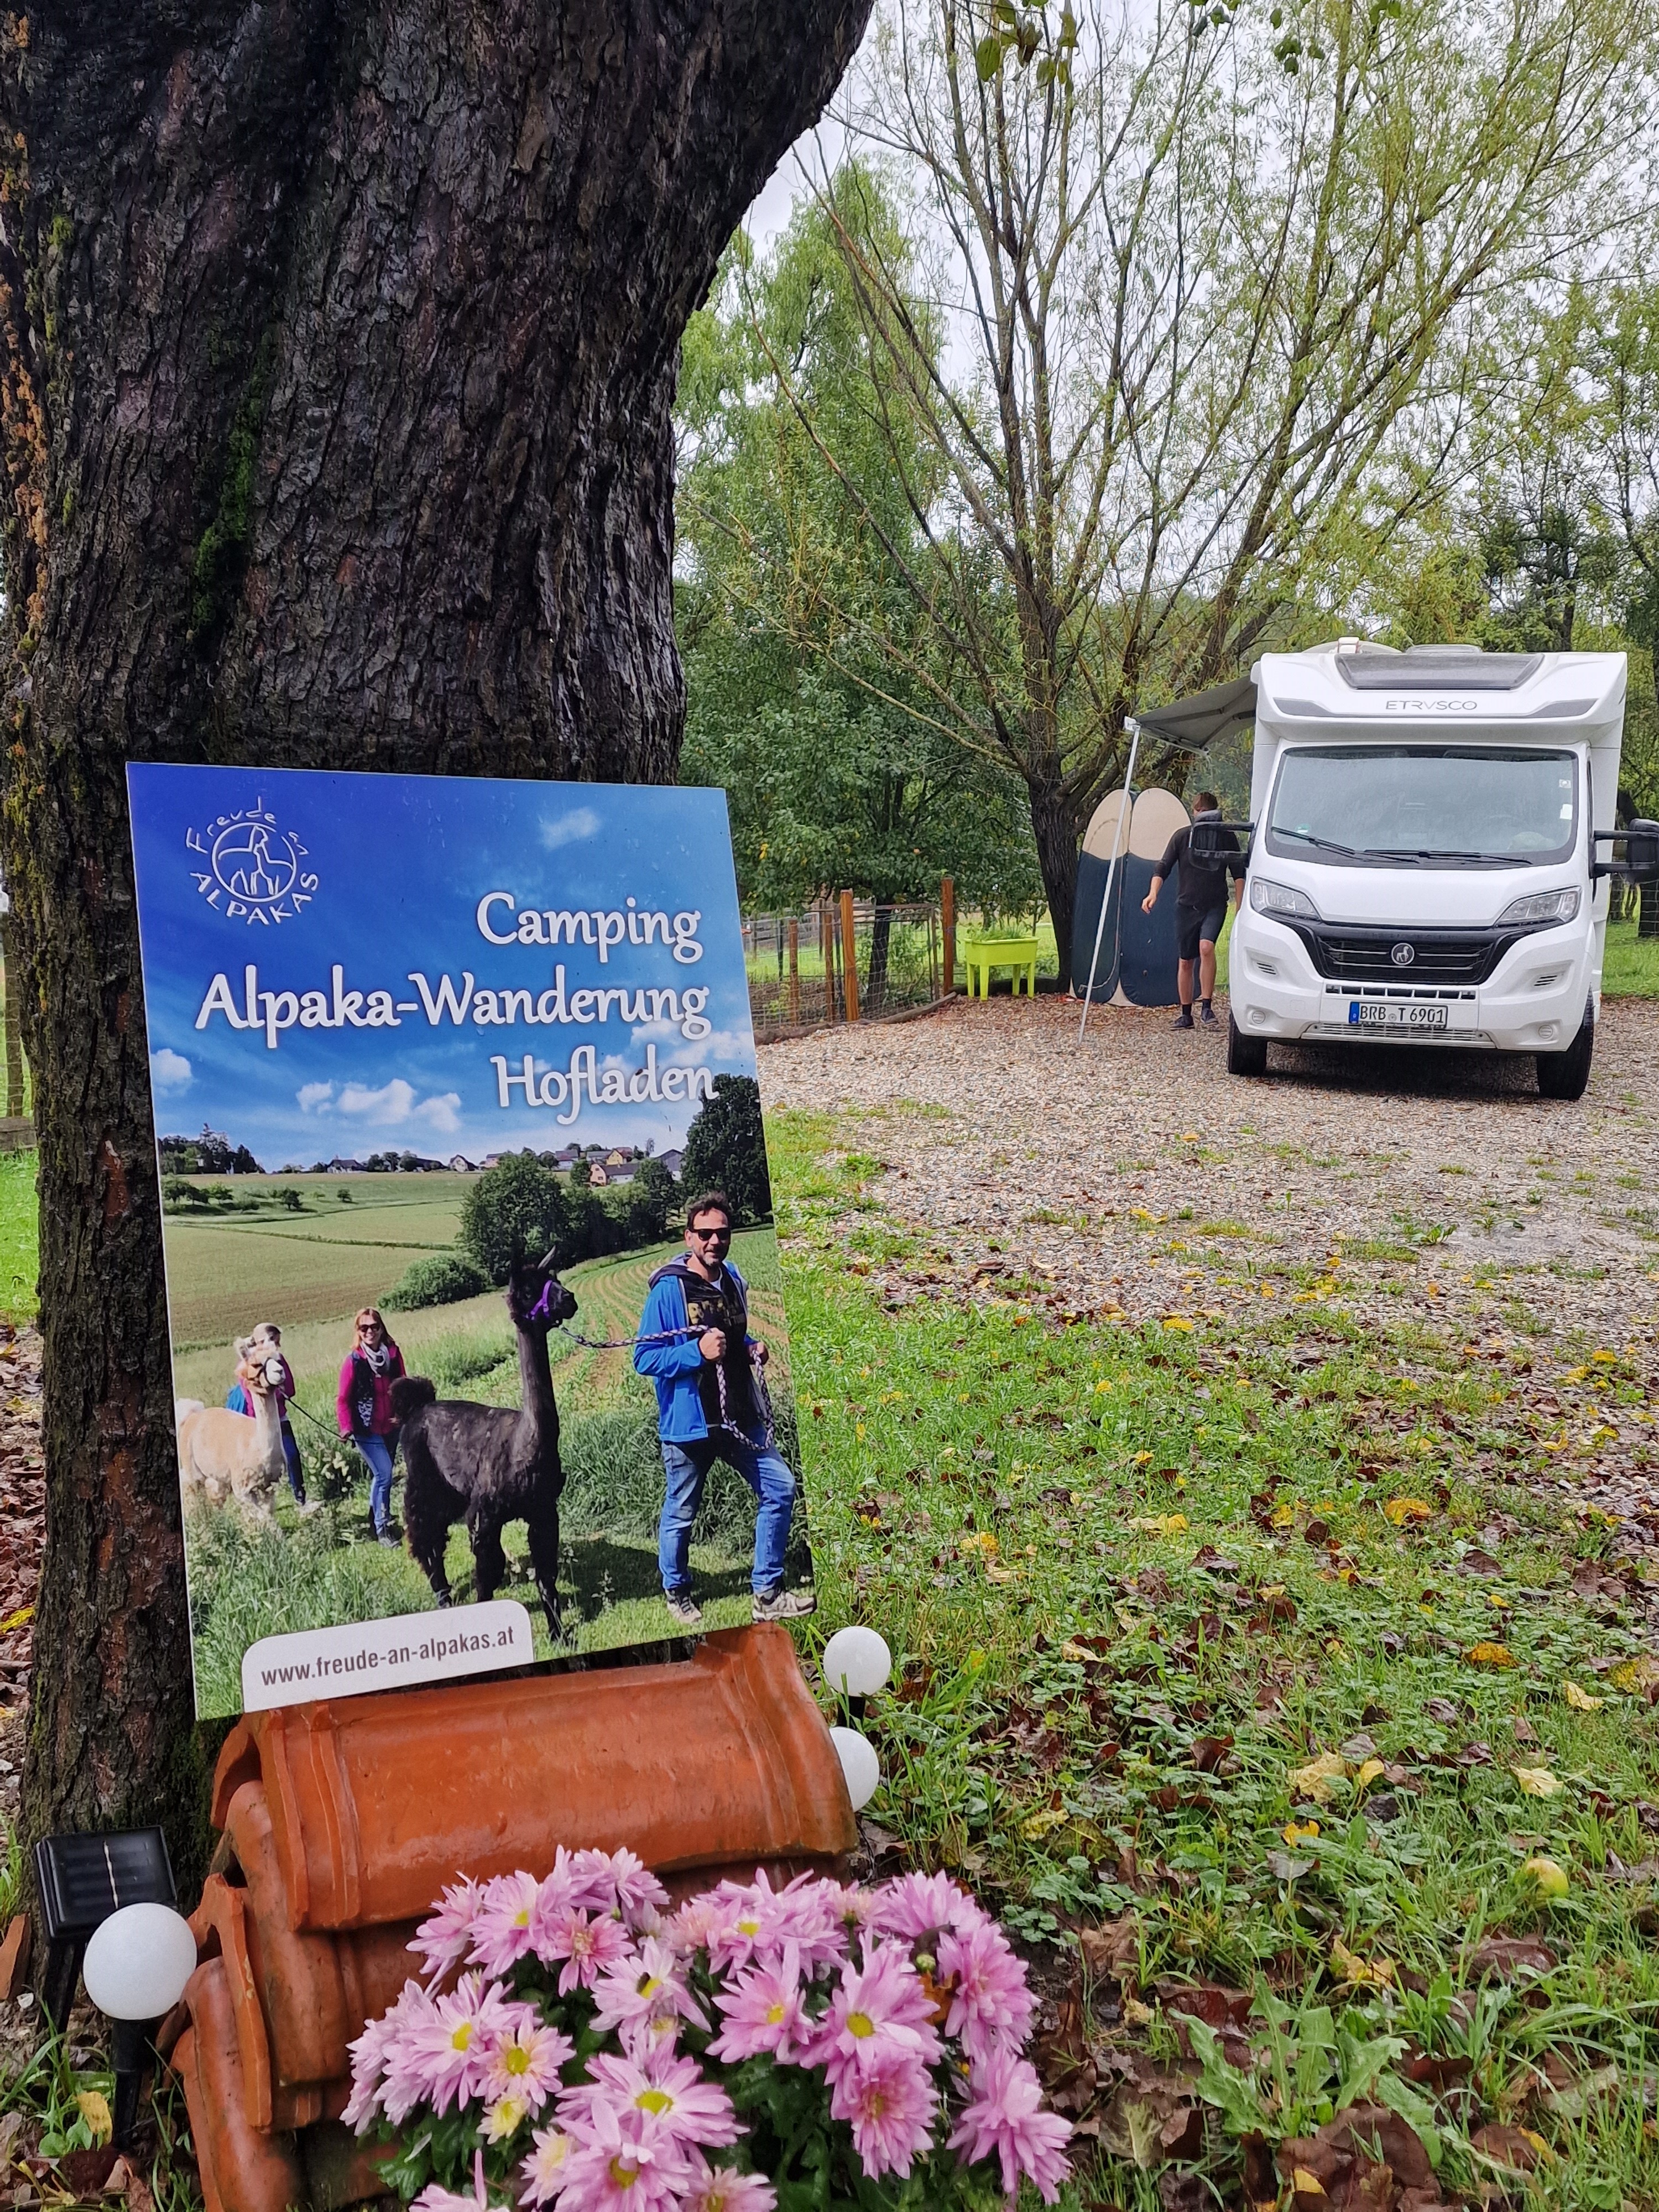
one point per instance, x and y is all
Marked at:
(683, 1608)
(1183, 1020)
(782, 1604)
(387, 1537)
(1207, 1018)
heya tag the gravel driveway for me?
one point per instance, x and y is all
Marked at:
(1430, 1195)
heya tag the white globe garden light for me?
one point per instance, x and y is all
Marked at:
(857, 1663)
(859, 1763)
(138, 1961)
(136, 1964)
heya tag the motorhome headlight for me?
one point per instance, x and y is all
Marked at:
(1541, 906)
(1278, 898)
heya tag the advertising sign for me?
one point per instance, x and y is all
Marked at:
(438, 1065)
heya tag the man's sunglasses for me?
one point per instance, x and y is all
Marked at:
(713, 1235)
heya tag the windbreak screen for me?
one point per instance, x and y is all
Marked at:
(1445, 805)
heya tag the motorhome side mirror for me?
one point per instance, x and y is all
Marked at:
(1207, 838)
(1641, 852)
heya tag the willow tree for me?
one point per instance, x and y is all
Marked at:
(1221, 289)
(339, 351)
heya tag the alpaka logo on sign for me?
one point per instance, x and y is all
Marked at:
(253, 869)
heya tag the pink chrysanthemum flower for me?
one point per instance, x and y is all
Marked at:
(622, 2169)
(855, 1907)
(639, 1896)
(880, 2008)
(919, 1904)
(890, 2101)
(693, 1927)
(588, 1947)
(373, 2055)
(545, 2171)
(765, 2011)
(503, 1925)
(504, 2118)
(991, 2005)
(443, 2055)
(740, 1921)
(662, 2095)
(645, 1991)
(1005, 2117)
(436, 2198)
(445, 1940)
(525, 2063)
(723, 2189)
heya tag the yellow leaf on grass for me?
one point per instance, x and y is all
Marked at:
(1101, 1387)
(1378, 1972)
(1141, 1459)
(1401, 1510)
(1076, 1651)
(1605, 1358)
(1177, 1321)
(1041, 1824)
(1297, 1831)
(1161, 1524)
(996, 1574)
(1638, 1676)
(1368, 1774)
(1537, 1781)
(94, 2110)
(1490, 1654)
(1580, 1700)
(1544, 2150)
(1306, 2184)
(1317, 1777)
(1283, 1515)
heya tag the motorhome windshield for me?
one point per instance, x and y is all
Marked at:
(1447, 806)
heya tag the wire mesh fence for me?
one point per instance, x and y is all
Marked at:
(845, 959)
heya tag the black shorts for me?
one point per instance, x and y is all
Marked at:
(1192, 926)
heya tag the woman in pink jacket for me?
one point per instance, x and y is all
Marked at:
(372, 1366)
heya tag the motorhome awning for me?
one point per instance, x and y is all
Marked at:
(1208, 716)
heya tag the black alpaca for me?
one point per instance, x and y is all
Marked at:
(488, 1464)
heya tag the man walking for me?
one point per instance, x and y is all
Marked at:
(1200, 909)
(694, 1343)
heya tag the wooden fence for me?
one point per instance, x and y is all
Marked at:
(849, 959)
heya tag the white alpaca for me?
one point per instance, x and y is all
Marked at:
(223, 1456)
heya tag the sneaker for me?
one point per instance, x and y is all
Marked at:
(683, 1608)
(1206, 1017)
(1183, 1020)
(387, 1539)
(782, 1604)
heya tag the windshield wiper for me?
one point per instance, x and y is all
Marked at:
(1424, 853)
(1325, 844)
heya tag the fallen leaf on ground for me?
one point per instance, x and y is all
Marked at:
(1516, 2151)
(1377, 1973)
(1505, 1955)
(1580, 1700)
(1490, 1654)
(1041, 1824)
(1537, 1781)
(1318, 1777)
(1637, 1678)
(1368, 1774)
(1295, 1831)
(1401, 1510)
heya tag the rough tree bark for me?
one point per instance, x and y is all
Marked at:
(340, 339)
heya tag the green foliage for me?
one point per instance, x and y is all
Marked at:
(838, 770)
(20, 1238)
(725, 1150)
(439, 1281)
(516, 1209)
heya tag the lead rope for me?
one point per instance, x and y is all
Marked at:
(762, 1396)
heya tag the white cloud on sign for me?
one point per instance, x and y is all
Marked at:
(570, 828)
(169, 1069)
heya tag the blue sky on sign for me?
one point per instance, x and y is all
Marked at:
(298, 874)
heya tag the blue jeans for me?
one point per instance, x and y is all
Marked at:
(296, 1480)
(686, 1466)
(376, 1451)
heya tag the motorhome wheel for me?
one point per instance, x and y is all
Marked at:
(1566, 1074)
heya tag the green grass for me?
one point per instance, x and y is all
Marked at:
(1632, 967)
(20, 1239)
(1126, 1616)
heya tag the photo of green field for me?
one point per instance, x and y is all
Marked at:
(309, 1267)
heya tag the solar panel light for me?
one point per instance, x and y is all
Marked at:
(82, 1881)
(136, 1964)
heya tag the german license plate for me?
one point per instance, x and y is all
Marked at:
(1395, 1014)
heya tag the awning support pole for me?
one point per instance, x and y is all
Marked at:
(1118, 838)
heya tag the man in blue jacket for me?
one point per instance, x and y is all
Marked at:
(694, 1343)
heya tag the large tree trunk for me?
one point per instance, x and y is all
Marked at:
(1059, 844)
(340, 341)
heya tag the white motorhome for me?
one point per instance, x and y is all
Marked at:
(1430, 840)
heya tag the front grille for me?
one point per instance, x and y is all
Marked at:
(1440, 955)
